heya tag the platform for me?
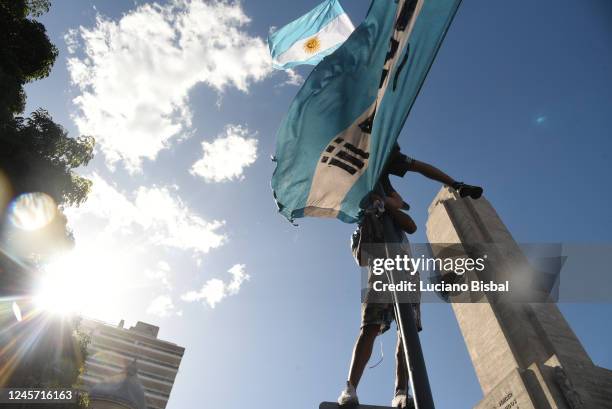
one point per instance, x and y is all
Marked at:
(334, 405)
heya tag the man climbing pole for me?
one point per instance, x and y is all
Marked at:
(339, 134)
(376, 317)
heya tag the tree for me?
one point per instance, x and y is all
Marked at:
(37, 7)
(26, 54)
(37, 155)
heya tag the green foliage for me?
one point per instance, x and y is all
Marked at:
(37, 8)
(26, 54)
(24, 8)
(32, 52)
(12, 96)
(37, 155)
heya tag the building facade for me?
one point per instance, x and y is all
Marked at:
(114, 348)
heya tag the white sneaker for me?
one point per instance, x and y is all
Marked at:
(402, 400)
(348, 397)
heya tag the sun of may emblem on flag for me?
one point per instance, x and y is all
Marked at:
(311, 37)
(312, 45)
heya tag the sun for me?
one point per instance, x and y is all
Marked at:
(64, 285)
(90, 279)
(83, 281)
(312, 45)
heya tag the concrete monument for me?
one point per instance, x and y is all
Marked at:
(525, 354)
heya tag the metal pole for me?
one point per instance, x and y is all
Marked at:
(413, 354)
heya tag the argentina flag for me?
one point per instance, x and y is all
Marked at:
(311, 37)
(335, 140)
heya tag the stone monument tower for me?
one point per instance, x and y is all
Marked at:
(525, 354)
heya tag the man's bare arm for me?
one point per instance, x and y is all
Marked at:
(430, 172)
(393, 204)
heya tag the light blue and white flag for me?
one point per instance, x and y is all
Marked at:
(311, 37)
(333, 144)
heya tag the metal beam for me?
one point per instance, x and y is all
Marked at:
(415, 362)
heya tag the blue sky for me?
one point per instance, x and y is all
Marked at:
(518, 101)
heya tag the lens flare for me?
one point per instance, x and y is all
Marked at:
(17, 311)
(32, 211)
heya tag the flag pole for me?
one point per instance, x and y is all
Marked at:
(413, 353)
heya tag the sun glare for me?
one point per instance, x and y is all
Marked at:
(86, 280)
(63, 287)
(82, 281)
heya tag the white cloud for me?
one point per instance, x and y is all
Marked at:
(215, 290)
(128, 246)
(227, 156)
(156, 216)
(293, 78)
(162, 306)
(239, 275)
(160, 273)
(134, 75)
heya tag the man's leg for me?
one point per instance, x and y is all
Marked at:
(361, 356)
(401, 372)
(362, 352)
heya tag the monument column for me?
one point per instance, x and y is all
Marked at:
(525, 355)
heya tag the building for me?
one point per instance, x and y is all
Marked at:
(113, 349)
